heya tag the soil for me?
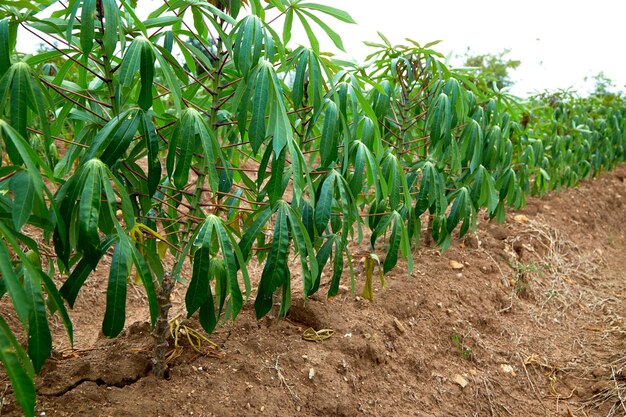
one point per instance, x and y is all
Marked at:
(529, 320)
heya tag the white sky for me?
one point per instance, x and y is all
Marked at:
(559, 42)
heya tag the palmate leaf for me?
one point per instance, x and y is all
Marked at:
(440, 119)
(248, 43)
(205, 265)
(307, 77)
(460, 211)
(303, 11)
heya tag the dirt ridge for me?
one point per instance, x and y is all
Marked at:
(522, 319)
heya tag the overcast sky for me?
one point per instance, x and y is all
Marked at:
(559, 42)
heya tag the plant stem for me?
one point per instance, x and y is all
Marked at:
(106, 62)
(161, 327)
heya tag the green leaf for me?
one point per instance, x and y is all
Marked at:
(152, 144)
(198, 290)
(256, 131)
(207, 317)
(87, 18)
(275, 185)
(111, 26)
(315, 44)
(334, 36)
(333, 289)
(115, 314)
(324, 204)
(276, 270)
(19, 104)
(459, 208)
(148, 282)
(15, 289)
(181, 148)
(328, 142)
(146, 70)
(394, 244)
(331, 11)
(131, 61)
(23, 188)
(5, 47)
(89, 208)
(56, 304)
(322, 256)
(18, 368)
(253, 230)
(39, 337)
(167, 64)
(303, 246)
(228, 253)
(121, 139)
(286, 27)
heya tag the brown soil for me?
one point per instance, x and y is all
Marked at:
(531, 324)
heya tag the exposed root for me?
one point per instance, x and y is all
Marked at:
(281, 377)
(197, 341)
(613, 395)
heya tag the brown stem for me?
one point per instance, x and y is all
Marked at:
(162, 327)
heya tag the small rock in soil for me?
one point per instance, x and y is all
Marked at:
(458, 379)
(399, 325)
(520, 218)
(456, 265)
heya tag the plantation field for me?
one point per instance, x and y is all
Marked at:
(526, 318)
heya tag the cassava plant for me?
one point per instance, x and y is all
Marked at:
(184, 142)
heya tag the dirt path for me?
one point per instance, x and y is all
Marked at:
(529, 320)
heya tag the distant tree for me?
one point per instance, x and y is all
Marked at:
(493, 68)
(603, 85)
